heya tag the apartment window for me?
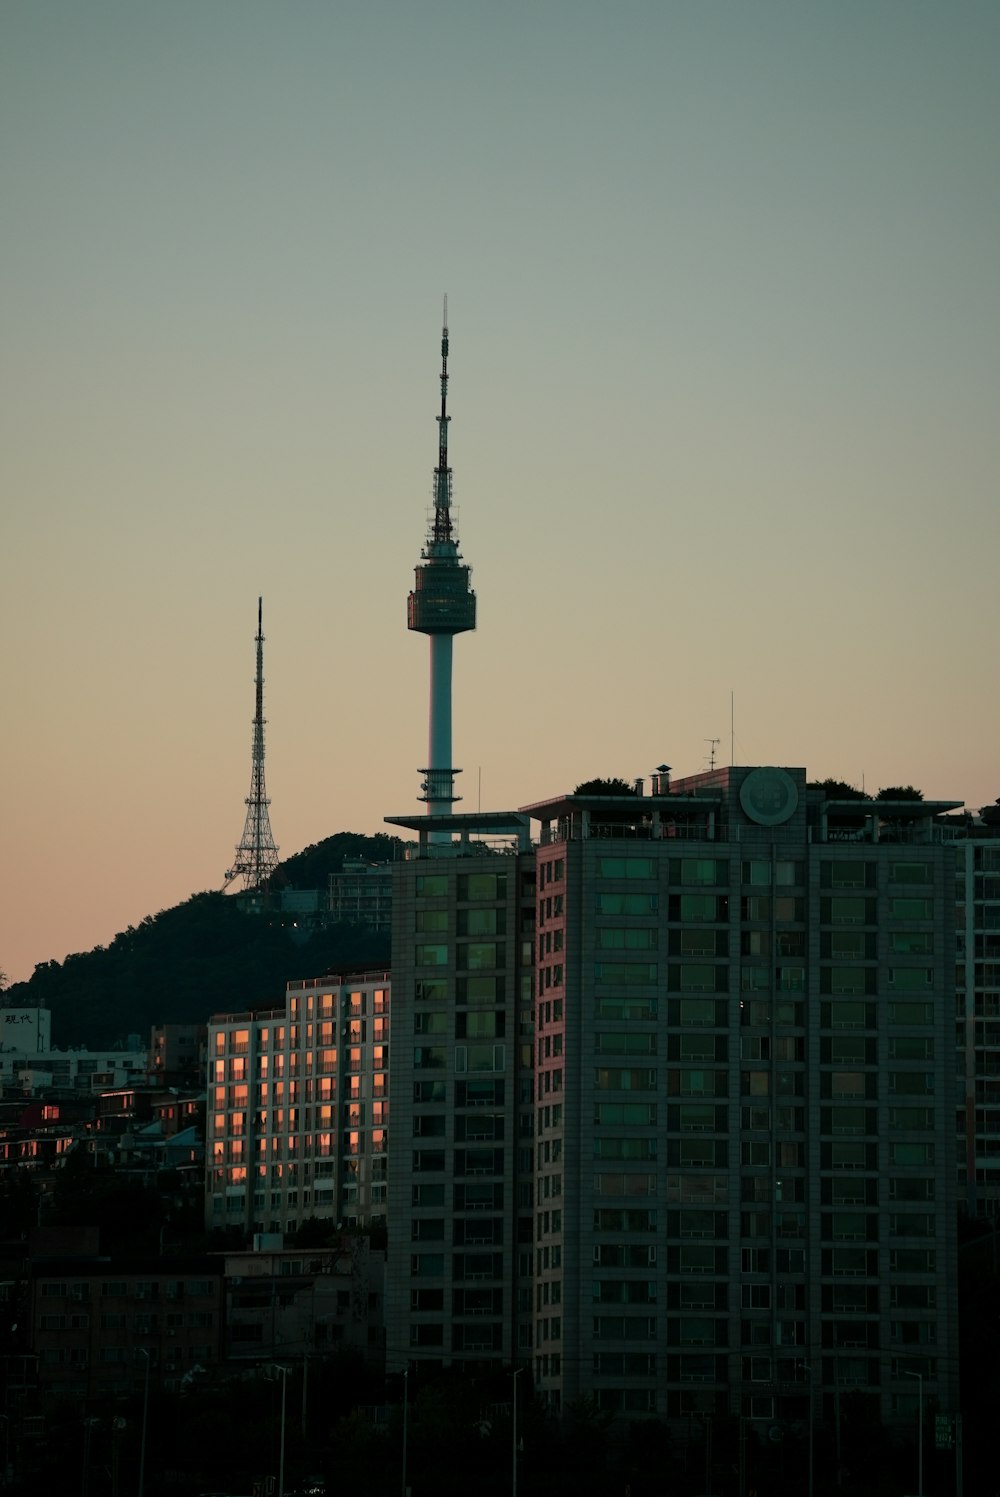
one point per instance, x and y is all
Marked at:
(755, 979)
(911, 943)
(904, 1189)
(478, 955)
(431, 920)
(426, 1265)
(623, 1042)
(910, 1223)
(482, 886)
(911, 1119)
(625, 973)
(911, 1153)
(480, 991)
(434, 1021)
(431, 884)
(847, 909)
(755, 1260)
(758, 871)
(911, 909)
(431, 990)
(692, 978)
(847, 980)
(909, 1047)
(488, 922)
(628, 1114)
(854, 873)
(429, 1057)
(485, 1057)
(626, 904)
(910, 873)
(911, 1083)
(912, 1260)
(912, 1297)
(694, 907)
(625, 1079)
(626, 938)
(910, 979)
(697, 1011)
(431, 956)
(909, 1013)
(428, 1161)
(699, 943)
(626, 868)
(623, 1149)
(699, 871)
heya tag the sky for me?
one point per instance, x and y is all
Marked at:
(725, 357)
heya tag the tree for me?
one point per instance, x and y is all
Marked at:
(613, 786)
(838, 790)
(900, 792)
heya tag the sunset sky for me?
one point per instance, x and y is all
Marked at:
(725, 322)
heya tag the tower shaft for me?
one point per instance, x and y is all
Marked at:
(256, 854)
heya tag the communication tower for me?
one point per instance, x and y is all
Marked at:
(441, 605)
(256, 855)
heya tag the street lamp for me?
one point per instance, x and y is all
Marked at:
(144, 1351)
(806, 1368)
(406, 1409)
(920, 1430)
(517, 1373)
(277, 1367)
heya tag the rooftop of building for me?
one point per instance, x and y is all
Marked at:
(738, 802)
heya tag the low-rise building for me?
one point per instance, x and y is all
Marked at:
(97, 1325)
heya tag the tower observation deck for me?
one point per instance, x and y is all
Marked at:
(441, 605)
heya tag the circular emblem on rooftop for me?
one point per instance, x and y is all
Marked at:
(769, 796)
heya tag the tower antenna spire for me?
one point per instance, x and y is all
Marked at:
(441, 605)
(256, 855)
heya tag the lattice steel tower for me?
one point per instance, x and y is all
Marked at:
(256, 855)
(442, 604)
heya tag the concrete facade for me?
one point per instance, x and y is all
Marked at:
(297, 1114)
(745, 1192)
(977, 1015)
(721, 1176)
(458, 1286)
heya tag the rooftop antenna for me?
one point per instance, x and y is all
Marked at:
(256, 855)
(441, 605)
(712, 742)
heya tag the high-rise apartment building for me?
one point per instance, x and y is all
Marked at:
(298, 1109)
(460, 1263)
(745, 1186)
(741, 1159)
(977, 1013)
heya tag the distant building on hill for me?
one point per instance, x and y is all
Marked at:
(178, 1053)
(361, 894)
(30, 1065)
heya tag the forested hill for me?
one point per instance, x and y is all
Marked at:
(202, 957)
